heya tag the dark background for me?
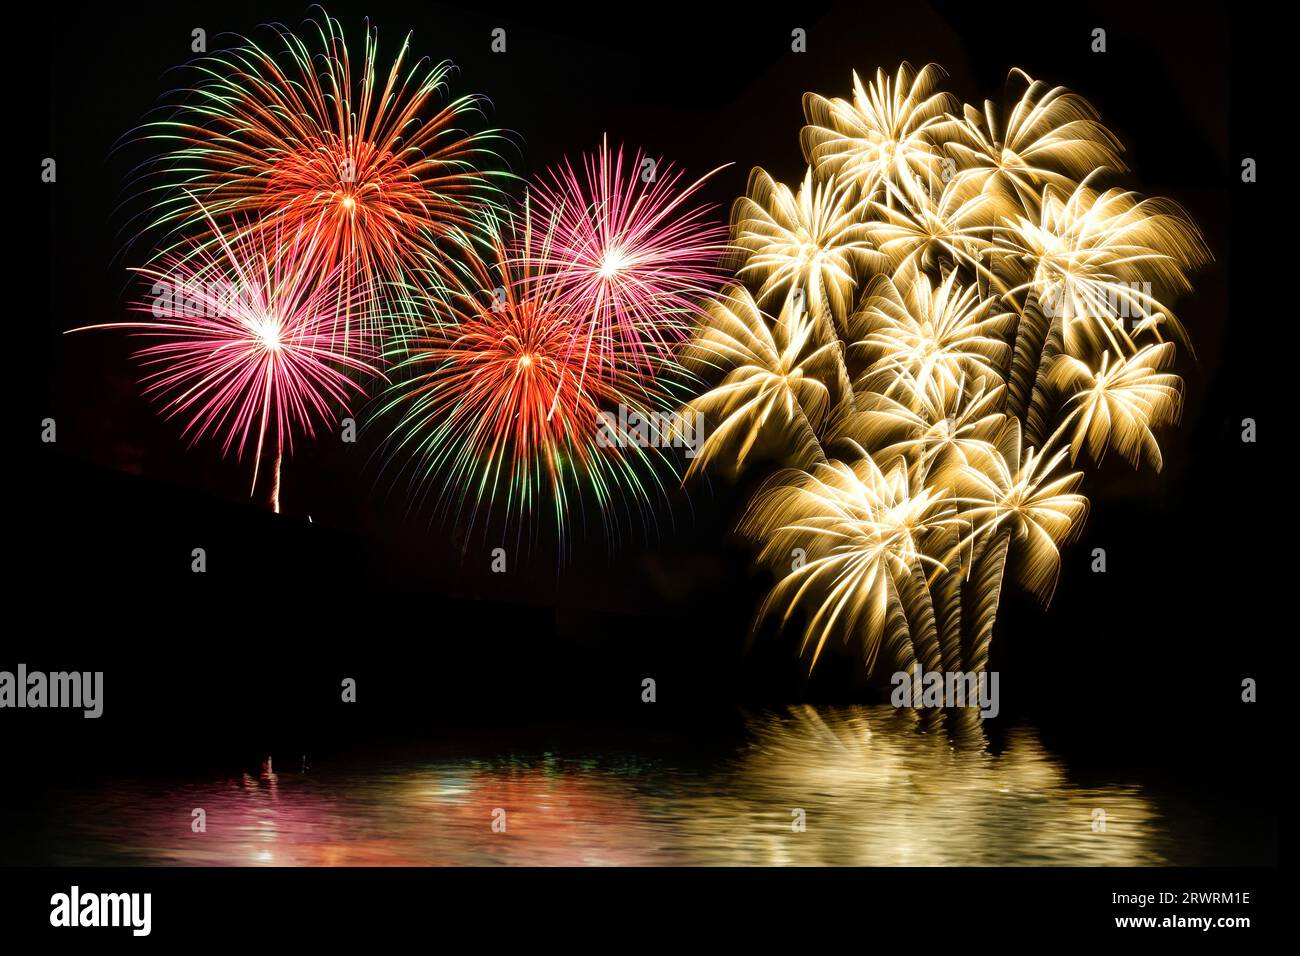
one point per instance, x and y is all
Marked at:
(1140, 667)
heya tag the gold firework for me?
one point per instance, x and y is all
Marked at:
(929, 337)
(1050, 136)
(998, 308)
(814, 241)
(939, 435)
(1021, 494)
(1103, 264)
(1120, 402)
(952, 227)
(889, 133)
(780, 381)
(857, 542)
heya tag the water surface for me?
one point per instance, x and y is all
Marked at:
(846, 786)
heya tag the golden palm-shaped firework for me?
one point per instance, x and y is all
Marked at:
(1050, 136)
(952, 227)
(1096, 271)
(1006, 301)
(928, 336)
(1018, 498)
(854, 539)
(1101, 264)
(780, 381)
(1021, 494)
(889, 133)
(1119, 403)
(939, 435)
(814, 241)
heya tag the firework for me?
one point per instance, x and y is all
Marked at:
(929, 337)
(864, 533)
(500, 409)
(290, 137)
(920, 233)
(998, 309)
(1020, 494)
(815, 241)
(780, 382)
(1102, 264)
(887, 134)
(1050, 136)
(1120, 403)
(630, 252)
(940, 435)
(247, 335)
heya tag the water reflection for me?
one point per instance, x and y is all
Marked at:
(878, 792)
(873, 788)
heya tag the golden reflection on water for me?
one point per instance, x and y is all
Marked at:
(873, 789)
(877, 792)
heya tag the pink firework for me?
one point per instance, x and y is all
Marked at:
(249, 342)
(630, 250)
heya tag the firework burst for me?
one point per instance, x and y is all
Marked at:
(928, 337)
(780, 382)
(815, 241)
(1103, 264)
(994, 301)
(376, 162)
(500, 409)
(1120, 403)
(247, 336)
(1050, 136)
(887, 134)
(630, 252)
(865, 532)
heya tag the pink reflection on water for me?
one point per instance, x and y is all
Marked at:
(409, 818)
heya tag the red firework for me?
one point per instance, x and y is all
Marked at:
(378, 162)
(498, 407)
